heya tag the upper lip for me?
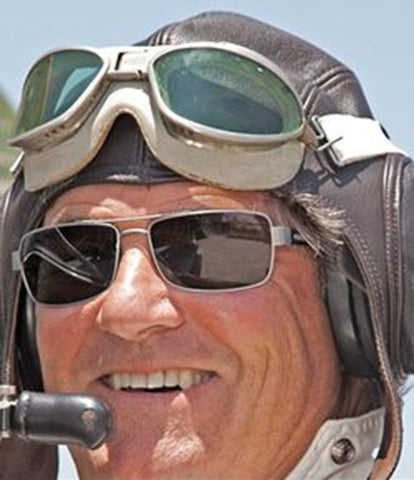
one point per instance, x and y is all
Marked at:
(139, 371)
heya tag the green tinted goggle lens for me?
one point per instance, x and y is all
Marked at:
(226, 91)
(53, 86)
(208, 86)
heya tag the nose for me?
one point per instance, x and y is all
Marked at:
(137, 302)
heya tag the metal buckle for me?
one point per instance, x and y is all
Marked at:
(325, 144)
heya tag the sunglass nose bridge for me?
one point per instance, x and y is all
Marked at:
(128, 231)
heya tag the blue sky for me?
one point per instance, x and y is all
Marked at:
(374, 37)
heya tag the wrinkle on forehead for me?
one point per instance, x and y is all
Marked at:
(116, 200)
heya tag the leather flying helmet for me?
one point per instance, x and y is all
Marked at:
(370, 297)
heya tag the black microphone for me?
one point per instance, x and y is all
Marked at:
(61, 419)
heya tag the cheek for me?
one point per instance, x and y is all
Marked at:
(59, 338)
(312, 346)
(282, 325)
(261, 327)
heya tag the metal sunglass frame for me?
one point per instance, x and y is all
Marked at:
(280, 235)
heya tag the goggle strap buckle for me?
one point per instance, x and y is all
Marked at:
(347, 139)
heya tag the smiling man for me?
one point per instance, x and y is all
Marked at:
(194, 378)
(209, 272)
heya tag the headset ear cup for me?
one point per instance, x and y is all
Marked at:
(348, 310)
(27, 355)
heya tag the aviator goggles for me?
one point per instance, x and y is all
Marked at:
(207, 110)
(214, 250)
(213, 112)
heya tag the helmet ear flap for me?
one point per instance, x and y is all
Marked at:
(27, 354)
(348, 311)
(404, 286)
(392, 250)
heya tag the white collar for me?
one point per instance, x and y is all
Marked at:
(364, 434)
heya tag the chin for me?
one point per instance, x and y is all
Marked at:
(128, 459)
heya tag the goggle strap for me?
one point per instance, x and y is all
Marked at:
(348, 139)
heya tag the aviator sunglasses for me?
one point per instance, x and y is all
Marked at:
(214, 250)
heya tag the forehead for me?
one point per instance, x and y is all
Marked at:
(120, 200)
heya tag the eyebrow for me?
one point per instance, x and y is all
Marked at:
(65, 218)
(72, 219)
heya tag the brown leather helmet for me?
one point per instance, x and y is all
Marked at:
(372, 324)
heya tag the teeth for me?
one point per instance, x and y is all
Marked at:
(170, 378)
(155, 380)
(124, 379)
(115, 382)
(185, 379)
(137, 380)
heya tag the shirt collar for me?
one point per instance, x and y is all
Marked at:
(342, 449)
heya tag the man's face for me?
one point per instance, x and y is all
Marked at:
(258, 367)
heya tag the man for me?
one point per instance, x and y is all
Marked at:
(214, 240)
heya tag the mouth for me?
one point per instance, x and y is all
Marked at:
(162, 381)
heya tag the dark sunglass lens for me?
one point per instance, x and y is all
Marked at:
(213, 251)
(69, 263)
